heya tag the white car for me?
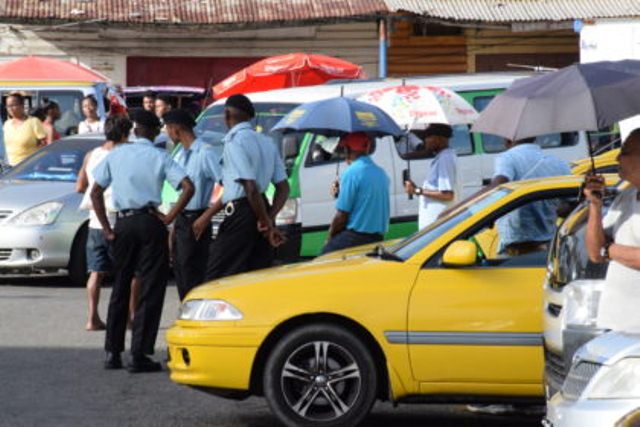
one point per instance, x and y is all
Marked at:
(602, 387)
(571, 295)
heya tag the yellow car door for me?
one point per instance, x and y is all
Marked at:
(477, 324)
(478, 327)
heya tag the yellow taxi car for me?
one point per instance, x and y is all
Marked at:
(434, 317)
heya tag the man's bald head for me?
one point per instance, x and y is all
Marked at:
(633, 141)
(629, 159)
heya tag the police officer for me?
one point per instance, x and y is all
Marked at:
(202, 165)
(250, 161)
(136, 171)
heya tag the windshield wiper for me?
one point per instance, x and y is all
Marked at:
(381, 252)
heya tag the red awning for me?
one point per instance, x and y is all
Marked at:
(36, 68)
(294, 69)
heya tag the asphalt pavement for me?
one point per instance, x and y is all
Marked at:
(51, 375)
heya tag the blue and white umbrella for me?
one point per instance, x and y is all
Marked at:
(339, 116)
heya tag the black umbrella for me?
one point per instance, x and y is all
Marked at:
(579, 97)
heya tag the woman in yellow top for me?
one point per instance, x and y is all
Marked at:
(23, 135)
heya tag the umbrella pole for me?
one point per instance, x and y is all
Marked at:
(337, 179)
(408, 177)
(591, 156)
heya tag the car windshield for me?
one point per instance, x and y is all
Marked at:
(568, 258)
(460, 212)
(60, 161)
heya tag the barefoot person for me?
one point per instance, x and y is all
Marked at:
(99, 256)
(136, 172)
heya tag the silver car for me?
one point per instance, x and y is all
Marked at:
(42, 229)
(602, 387)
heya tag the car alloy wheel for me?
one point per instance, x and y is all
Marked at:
(320, 375)
(321, 381)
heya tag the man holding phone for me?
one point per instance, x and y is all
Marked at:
(439, 188)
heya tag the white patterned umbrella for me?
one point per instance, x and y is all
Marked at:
(415, 107)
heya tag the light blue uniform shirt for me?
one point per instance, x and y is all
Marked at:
(364, 194)
(249, 156)
(136, 173)
(534, 222)
(202, 165)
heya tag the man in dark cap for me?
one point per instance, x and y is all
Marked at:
(440, 189)
(199, 160)
(136, 172)
(250, 162)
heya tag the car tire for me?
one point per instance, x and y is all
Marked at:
(320, 374)
(78, 258)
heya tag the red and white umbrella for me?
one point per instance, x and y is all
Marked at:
(415, 107)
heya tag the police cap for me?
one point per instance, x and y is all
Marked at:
(145, 118)
(242, 103)
(179, 117)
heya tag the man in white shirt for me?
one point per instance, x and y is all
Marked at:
(438, 191)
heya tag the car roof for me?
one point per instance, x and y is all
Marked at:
(169, 89)
(75, 141)
(553, 182)
(458, 82)
(51, 85)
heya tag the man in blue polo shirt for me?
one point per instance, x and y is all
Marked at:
(362, 215)
(531, 227)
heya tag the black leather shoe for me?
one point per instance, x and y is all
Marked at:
(112, 361)
(141, 364)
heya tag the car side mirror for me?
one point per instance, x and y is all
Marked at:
(460, 253)
(289, 146)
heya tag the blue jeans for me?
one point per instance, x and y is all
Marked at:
(348, 238)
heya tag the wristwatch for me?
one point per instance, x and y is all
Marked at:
(604, 251)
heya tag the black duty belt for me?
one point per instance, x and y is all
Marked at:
(125, 213)
(232, 206)
(192, 212)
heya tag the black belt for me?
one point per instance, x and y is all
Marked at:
(375, 235)
(125, 213)
(192, 212)
(231, 206)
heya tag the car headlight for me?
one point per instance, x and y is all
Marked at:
(208, 309)
(582, 298)
(289, 212)
(43, 214)
(620, 381)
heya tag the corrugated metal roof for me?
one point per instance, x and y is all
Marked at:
(263, 12)
(198, 12)
(517, 10)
